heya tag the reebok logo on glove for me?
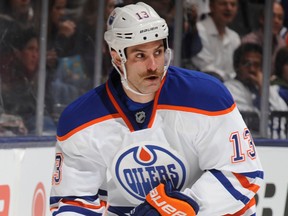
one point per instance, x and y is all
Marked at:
(161, 203)
(169, 205)
(165, 200)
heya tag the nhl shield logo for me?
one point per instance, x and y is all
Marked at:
(138, 169)
(140, 117)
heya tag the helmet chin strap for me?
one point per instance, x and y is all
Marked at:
(126, 86)
(124, 79)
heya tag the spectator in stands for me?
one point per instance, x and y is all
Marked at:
(284, 35)
(88, 26)
(14, 15)
(165, 9)
(19, 83)
(16, 12)
(191, 42)
(257, 36)
(61, 29)
(219, 41)
(284, 29)
(281, 72)
(65, 67)
(11, 125)
(246, 87)
(202, 8)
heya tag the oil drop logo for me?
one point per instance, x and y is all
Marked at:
(138, 169)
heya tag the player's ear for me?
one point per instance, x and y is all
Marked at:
(115, 58)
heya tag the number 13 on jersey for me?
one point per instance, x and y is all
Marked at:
(239, 154)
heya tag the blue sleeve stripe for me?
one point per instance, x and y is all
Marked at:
(56, 199)
(102, 192)
(256, 174)
(120, 210)
(229, 187)
(76, 209)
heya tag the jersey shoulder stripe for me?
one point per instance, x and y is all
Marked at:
(85, 125)
(195, 110)
(86, 110)
(194, 89)
(183, 89)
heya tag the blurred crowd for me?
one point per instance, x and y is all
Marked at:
(220, 37)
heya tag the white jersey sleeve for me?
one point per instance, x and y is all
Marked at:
(78, 179)
(232, 169)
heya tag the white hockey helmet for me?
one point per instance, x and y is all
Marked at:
(132, 25)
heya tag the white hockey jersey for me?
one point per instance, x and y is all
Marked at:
(194, 135)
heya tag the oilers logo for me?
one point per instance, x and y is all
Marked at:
(138, 169)
(111, 18)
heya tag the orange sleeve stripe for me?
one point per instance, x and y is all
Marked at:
(195, 110)
(245, 183)
(129, 125)
(80, 204)
(243, 210)
(77, 203)
(53, 209)
(104, 118)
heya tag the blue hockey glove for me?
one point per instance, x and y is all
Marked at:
(164, 200)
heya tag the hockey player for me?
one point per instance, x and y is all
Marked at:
(153, 140)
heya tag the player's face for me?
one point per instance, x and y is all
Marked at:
(145, 66)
